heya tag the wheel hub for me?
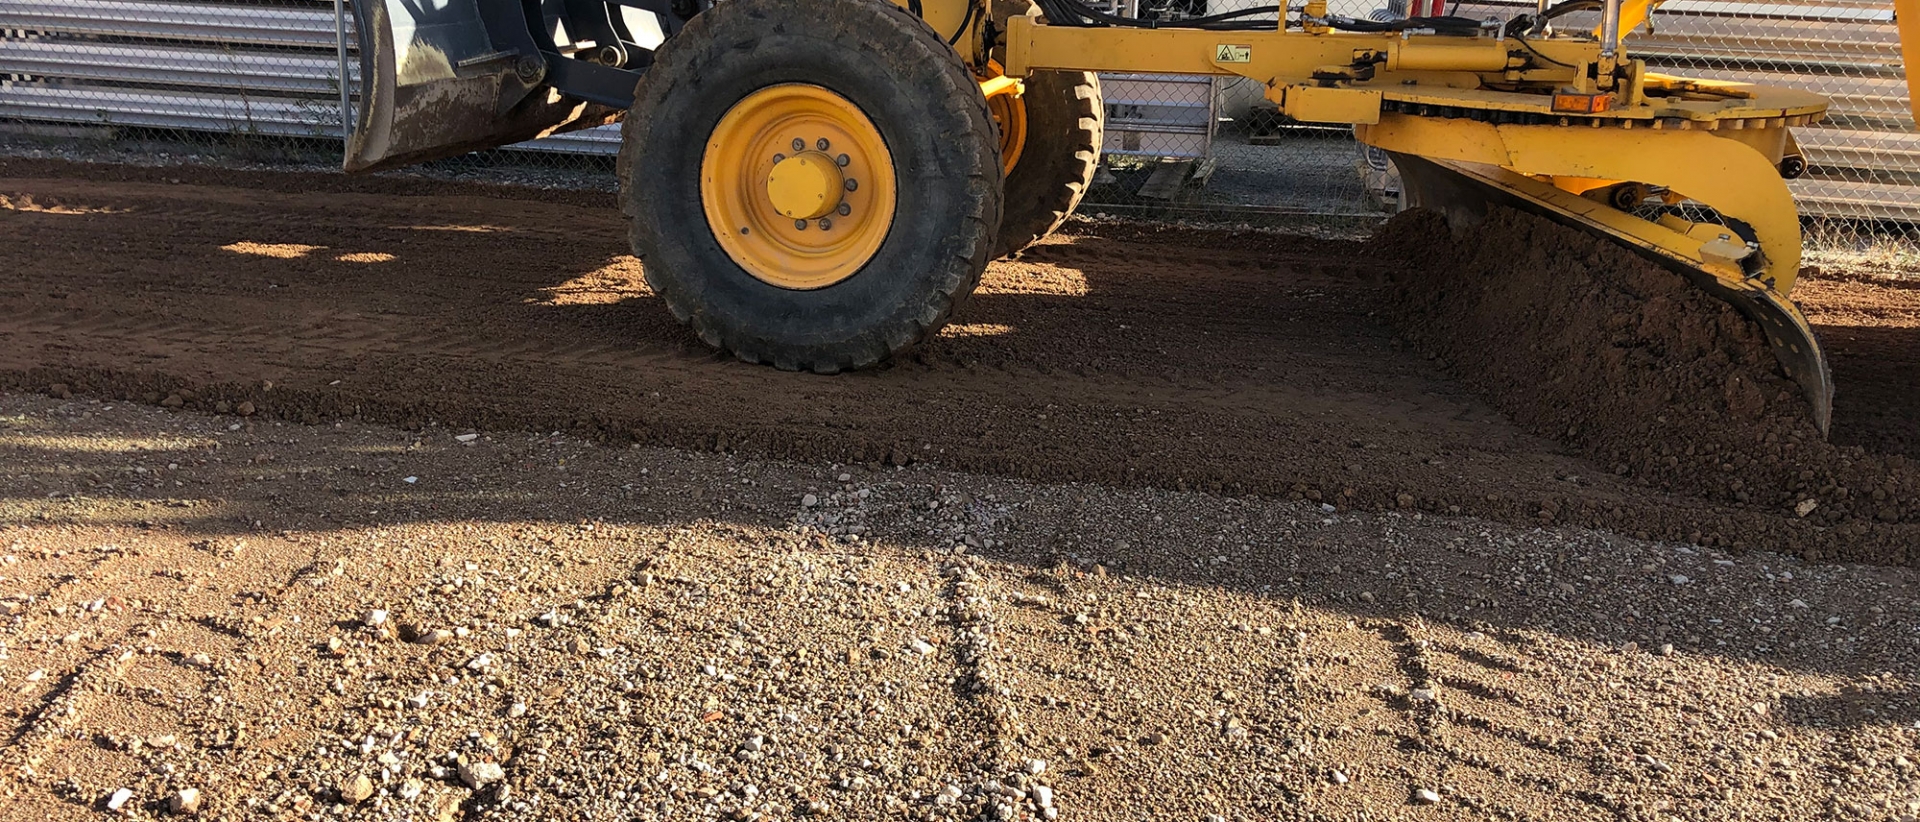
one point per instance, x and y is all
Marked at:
(806, 186)
(798, 186)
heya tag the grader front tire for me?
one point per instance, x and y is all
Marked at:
(811, 185)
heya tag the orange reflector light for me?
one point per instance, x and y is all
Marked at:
(1571, 103)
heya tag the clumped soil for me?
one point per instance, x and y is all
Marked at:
(1631, 366)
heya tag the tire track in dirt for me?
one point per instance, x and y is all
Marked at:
(1228, 362)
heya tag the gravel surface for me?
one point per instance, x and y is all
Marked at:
(237, 617)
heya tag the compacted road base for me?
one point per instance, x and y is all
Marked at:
(260, 619)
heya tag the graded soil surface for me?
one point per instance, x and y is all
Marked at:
(1239, 363)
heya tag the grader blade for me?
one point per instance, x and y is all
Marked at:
(1749, 257)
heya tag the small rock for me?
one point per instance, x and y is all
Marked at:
(809, 501)
(479, 774)
(1799, 603)
(376, 618)
(420, 700)
(119, 799)
(184, 801)
(1666, 649)
(518, 709)
(60, 391)
(580, 645)
(1423, 796)
(1806, 506)
(356, 789)
(1679, 579)
(1042, 795)
(436, 636)
(1338, 778)
(1036, 767)
(244, 408)
(921, 647)
(201, 660)
(411, 789)
(466, 437)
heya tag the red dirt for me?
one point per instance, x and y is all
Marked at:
(1241, 363)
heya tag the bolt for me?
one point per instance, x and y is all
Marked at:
(842, 160)
(852, 184)
(800, 225)
(743, 229)
(778, 157)
(529, 68)
(826, 224)
(821, 144)
(845, 209)
(799, 144)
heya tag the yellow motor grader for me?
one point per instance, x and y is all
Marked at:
(815, 184)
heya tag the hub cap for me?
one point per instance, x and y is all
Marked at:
(798, 186)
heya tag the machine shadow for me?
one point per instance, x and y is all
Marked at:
(1876, 374)
(357, 489)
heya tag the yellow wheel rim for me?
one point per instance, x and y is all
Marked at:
(1010, 114)
(797, 186)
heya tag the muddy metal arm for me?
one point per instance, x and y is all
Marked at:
(442, 77)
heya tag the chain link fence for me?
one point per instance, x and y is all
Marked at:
(274, 81)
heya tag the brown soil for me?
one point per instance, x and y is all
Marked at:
(1624, 361)
(1242, 363)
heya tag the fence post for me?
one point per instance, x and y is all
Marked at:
(340, 50)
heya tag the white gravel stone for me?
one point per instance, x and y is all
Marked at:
(480, 774)
(1426, 797)
(184, 801)
(119, 799)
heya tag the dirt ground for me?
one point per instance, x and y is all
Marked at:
(1234, 363)
(1233, 544)
(268, 613)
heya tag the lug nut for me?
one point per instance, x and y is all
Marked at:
(799, 144)
(800, 225)
(852, 184)
(778, 157)
(825, 224)
(821, 144)
(841, 160)
(845, 209)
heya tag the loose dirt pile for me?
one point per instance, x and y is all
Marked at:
(1585, 342)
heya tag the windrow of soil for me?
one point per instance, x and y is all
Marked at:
(1628, 364)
